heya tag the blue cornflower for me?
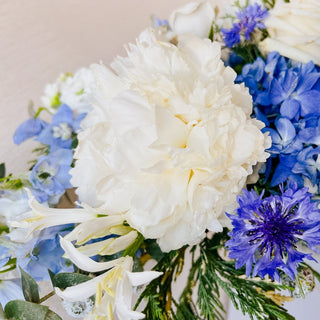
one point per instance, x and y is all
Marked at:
(267, 231)
(58, 134)
(42, 253)
(28, 129)
(250, 19)
(50, 177)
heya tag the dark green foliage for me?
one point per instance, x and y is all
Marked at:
(2, 170)
(23, 310)
(211, 273)
(66, 279)
(30, 287)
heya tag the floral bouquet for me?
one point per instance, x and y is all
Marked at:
(198, 153)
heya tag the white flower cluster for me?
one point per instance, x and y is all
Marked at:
(170, 142)
(71, 90)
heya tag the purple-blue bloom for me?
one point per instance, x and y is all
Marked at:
(250, 19)
(42, 253)
(28, 129)
(50, 176)
(58, 134)
(266, 231)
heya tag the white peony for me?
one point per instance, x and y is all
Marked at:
(294, 30)
(170, 142)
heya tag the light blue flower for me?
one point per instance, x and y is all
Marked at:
(28, 129)
(50, 176)
(59, 133)
(42, 253)
(10, 290)
(156, 22)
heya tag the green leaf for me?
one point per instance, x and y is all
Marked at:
(64, 280)
(29, 287)
(23, 310)
(2, 170)
(52, 316)
(131, 250)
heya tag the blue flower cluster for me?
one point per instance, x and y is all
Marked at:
(49, 177)
(249, 19)
(286, 98)
(44, 253)
(267, 231)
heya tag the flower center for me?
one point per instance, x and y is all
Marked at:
(275, 228)
(62, 131)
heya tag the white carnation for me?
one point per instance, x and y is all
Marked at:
(170, 142)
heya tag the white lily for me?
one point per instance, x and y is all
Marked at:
(113, 288)
(41, 217)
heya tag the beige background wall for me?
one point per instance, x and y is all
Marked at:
(39, 39)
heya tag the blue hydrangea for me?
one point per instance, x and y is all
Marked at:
(266, 231)
(42, 253)
(28, 129)
(249, 19)
(58, 134)
(50, 176)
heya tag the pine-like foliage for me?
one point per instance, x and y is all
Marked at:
(209, 275)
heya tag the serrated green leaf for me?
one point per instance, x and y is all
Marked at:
(64, 280)
(29, 287)
(18, 310)
(2, 170)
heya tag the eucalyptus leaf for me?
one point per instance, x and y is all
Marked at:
(64, 280)
(29, 287)
(24, 310)
(52, 316)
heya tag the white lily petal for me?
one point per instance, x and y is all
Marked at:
(93, 248)
(139, 278)
(95, 228)
(120, 243)
(85, 263)
(81, 291)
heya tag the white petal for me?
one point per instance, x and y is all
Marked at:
(85, 263)
(139, 278)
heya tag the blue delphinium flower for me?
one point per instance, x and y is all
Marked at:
(266, 231)
(42, 253)
(249, 19)
(50, 177)
(58, 134)
(28, 129)
(10, 290)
